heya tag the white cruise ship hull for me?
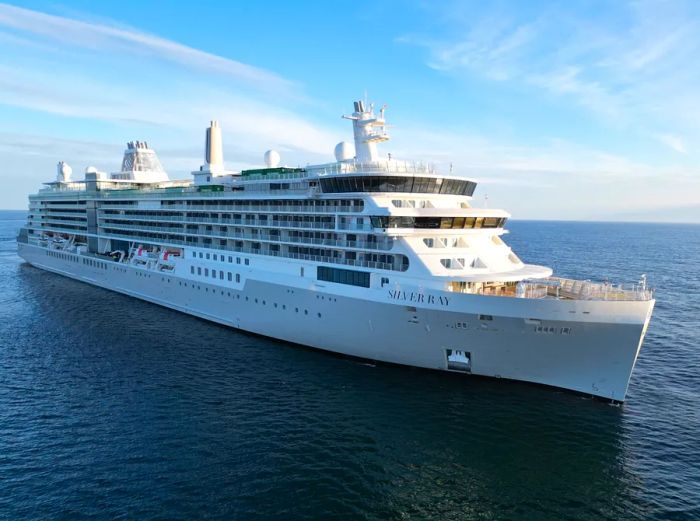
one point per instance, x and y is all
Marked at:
(584, 346)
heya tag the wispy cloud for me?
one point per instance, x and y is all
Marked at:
(555, 176)
(674, 142)
(153, 86)
(630, 68)
(101, 37)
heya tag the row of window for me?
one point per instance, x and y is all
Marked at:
(237, 296)
(62, 203)
(61, 255)
(95, 263)
(176, 220)
(205, 271)
(86, 261)
(342, 276)
(404, 184)
(437, 223)
(219, 257)
(551, 330)
(357, 204)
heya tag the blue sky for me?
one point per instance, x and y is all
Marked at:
(562, 110)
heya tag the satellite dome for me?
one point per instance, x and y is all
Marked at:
(91, 170)
(64, 172)
(344, 151)
(272, 158)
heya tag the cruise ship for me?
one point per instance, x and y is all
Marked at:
(367, 256)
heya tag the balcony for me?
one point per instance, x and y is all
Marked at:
(265, 237)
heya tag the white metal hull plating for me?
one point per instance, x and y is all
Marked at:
(596, 356)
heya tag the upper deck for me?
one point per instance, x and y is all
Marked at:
(399, 218)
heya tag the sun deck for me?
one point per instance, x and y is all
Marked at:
(559, 288)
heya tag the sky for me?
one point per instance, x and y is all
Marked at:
(586, 110)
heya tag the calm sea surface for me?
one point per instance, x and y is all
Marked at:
(112, 408)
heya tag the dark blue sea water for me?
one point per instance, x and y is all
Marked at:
(112, 408)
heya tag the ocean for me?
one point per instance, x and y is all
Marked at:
(113, 408)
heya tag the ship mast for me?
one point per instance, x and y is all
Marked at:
(368, 130)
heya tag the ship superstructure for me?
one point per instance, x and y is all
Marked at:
(366, 256)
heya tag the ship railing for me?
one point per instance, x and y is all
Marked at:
(587, 290)
(571, 289)
(531, 290)
(274, 177)
(268, 224)
(51, 213)
(204, 220)
(80, 219)
(364, 245)
(345, 208)
(558, 288)
(286, 223)
(75, 186)
(35, 207)
(388, 167)
(357, 227)
(177, 193)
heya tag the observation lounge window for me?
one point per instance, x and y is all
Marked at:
(391, 183)
(434, 223)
